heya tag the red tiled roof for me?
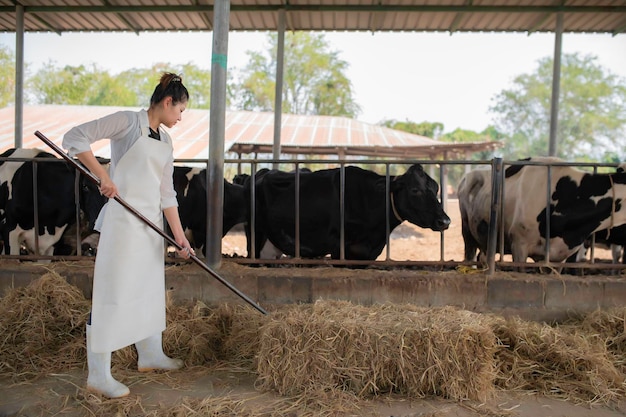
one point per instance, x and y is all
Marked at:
(244, 132)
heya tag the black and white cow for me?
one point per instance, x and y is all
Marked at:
(412, 197)
(613, 238)
(191, 192)
(581, 203)
(55, 202)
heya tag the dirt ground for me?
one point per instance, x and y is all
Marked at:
(64, 394)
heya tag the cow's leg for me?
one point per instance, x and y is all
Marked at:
(616, 253)
(15, 238)
(519, 252)
(259, 241)
(48, 240)
(269, 251)
(471, 246)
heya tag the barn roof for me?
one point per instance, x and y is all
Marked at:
(246, 132)
(351, 15)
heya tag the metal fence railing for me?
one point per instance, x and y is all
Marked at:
(446, 173)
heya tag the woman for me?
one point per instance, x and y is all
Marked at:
(128, 298)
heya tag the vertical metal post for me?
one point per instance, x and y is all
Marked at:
(252, 225)
(297, 218)
(217, 128)
(342, 211)
(443, 192)
(501, 214)
(556, 83)
(278, 99)
(79, 249)
(548, 213)
(496, 188)
(387, 210)
(19, 75)
(36, 207)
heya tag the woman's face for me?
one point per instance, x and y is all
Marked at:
(172, 113)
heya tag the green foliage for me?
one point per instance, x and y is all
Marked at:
(429, 129)
(314, 80)
(141, 82)
(109, 91)
(592, 111)
(79, 86)
(7, 75)
(198, 83)
(89, 85)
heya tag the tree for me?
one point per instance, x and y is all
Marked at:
(198, 82)
(109, 91)
(142, 82)
(7, 74)
(592, 111)
(314, 80)
(79, 85)
(429, 129)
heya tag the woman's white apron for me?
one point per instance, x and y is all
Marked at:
(128, 301)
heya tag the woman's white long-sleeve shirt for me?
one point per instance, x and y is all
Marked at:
(123, 128)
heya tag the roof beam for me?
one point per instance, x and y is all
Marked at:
(126, 21)
(46, 24)
(457, 19)
(619, 29)
(417, 8)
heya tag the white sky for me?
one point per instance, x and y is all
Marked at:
(435, 77)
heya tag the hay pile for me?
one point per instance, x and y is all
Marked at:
(42, 327)
(43, 331)
(375, 350)
(328, 355)
(610, 328)
(562, 362)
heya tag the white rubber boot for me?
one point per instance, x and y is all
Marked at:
(150, 355)
(100, 379)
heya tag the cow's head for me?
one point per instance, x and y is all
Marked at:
(91, 201)
(414, 195)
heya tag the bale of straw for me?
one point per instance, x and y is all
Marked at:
(191, 334)
(240, 327)
(42, 327)
(379, 349)
(549, 360)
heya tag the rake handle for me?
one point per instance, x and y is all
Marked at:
(153, 226)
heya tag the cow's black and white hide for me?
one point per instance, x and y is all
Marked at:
(56, 202)
(191, 188)
(412, 197)
(581, 203)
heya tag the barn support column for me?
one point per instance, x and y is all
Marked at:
(556, 83)
(19, 75)
(278, 99)
(217, 129)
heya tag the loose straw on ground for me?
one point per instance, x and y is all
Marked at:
(326, 356)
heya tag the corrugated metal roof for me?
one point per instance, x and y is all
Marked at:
(350, 15)
(246, 132)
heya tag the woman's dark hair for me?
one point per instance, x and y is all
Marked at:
(170, 85)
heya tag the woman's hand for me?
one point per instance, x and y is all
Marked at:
(186, 250)
(108, 188)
